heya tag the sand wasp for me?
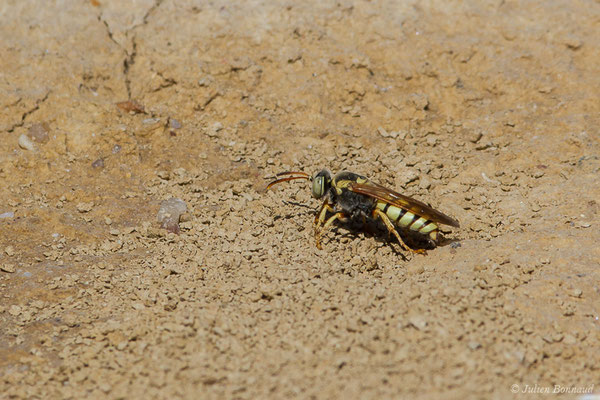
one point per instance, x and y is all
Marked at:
(351, 197)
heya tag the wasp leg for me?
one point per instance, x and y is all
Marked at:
(377, 213)
(340, 215)
(320, 217)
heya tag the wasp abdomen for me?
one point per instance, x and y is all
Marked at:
(406, 219)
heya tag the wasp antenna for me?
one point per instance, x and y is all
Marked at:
(285, 180)
(291, 173)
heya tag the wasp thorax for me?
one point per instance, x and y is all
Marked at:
(320, 183)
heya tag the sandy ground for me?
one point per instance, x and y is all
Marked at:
(488, 111)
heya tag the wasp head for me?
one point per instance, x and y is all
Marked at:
(321, 182)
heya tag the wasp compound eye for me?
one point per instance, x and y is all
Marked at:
(318, 187)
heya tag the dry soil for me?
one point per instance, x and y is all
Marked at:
(487, 110)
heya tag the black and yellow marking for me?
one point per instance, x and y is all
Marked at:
(344, 180)
(377, 213)
(406, 219)
(349, 196)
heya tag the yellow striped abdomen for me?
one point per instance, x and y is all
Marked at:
(408, 220)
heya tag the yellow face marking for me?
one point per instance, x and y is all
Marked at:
(406, 219)
(428, 228)
(418, 224)
(393, 213)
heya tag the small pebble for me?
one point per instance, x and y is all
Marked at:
(473, 345)
(398, 134)
(431, 141)
(14, 310)
(421, 102)
(572, 42)
(116, 149)
(169, 213)
(528, 268)
(10, 251)
(39, 133)
(7, 268)
(174, 124)
(576, 292)
(8, 214)
(411, 161)
(474, 137)
(164, 175)
(569, 339)
(105, 387)
(408, 176)
(99, 163)
(383, 132)
(85, 207)
(415, 269)
(418, 322)
(129, 229)
(425, 183)
(214, 129)
(131, 106)
(26, 143)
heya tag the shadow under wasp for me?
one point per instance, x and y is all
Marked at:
(352, 197)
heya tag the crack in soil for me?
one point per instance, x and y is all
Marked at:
(108, 31)
(127, 63)
(168, 82)
(24, 116)
(129, 59)
(151, 10)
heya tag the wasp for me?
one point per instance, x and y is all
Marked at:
(352, 197)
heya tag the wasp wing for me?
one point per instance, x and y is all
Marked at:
(386, 195)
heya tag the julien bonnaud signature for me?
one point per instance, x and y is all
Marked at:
(555, 389)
